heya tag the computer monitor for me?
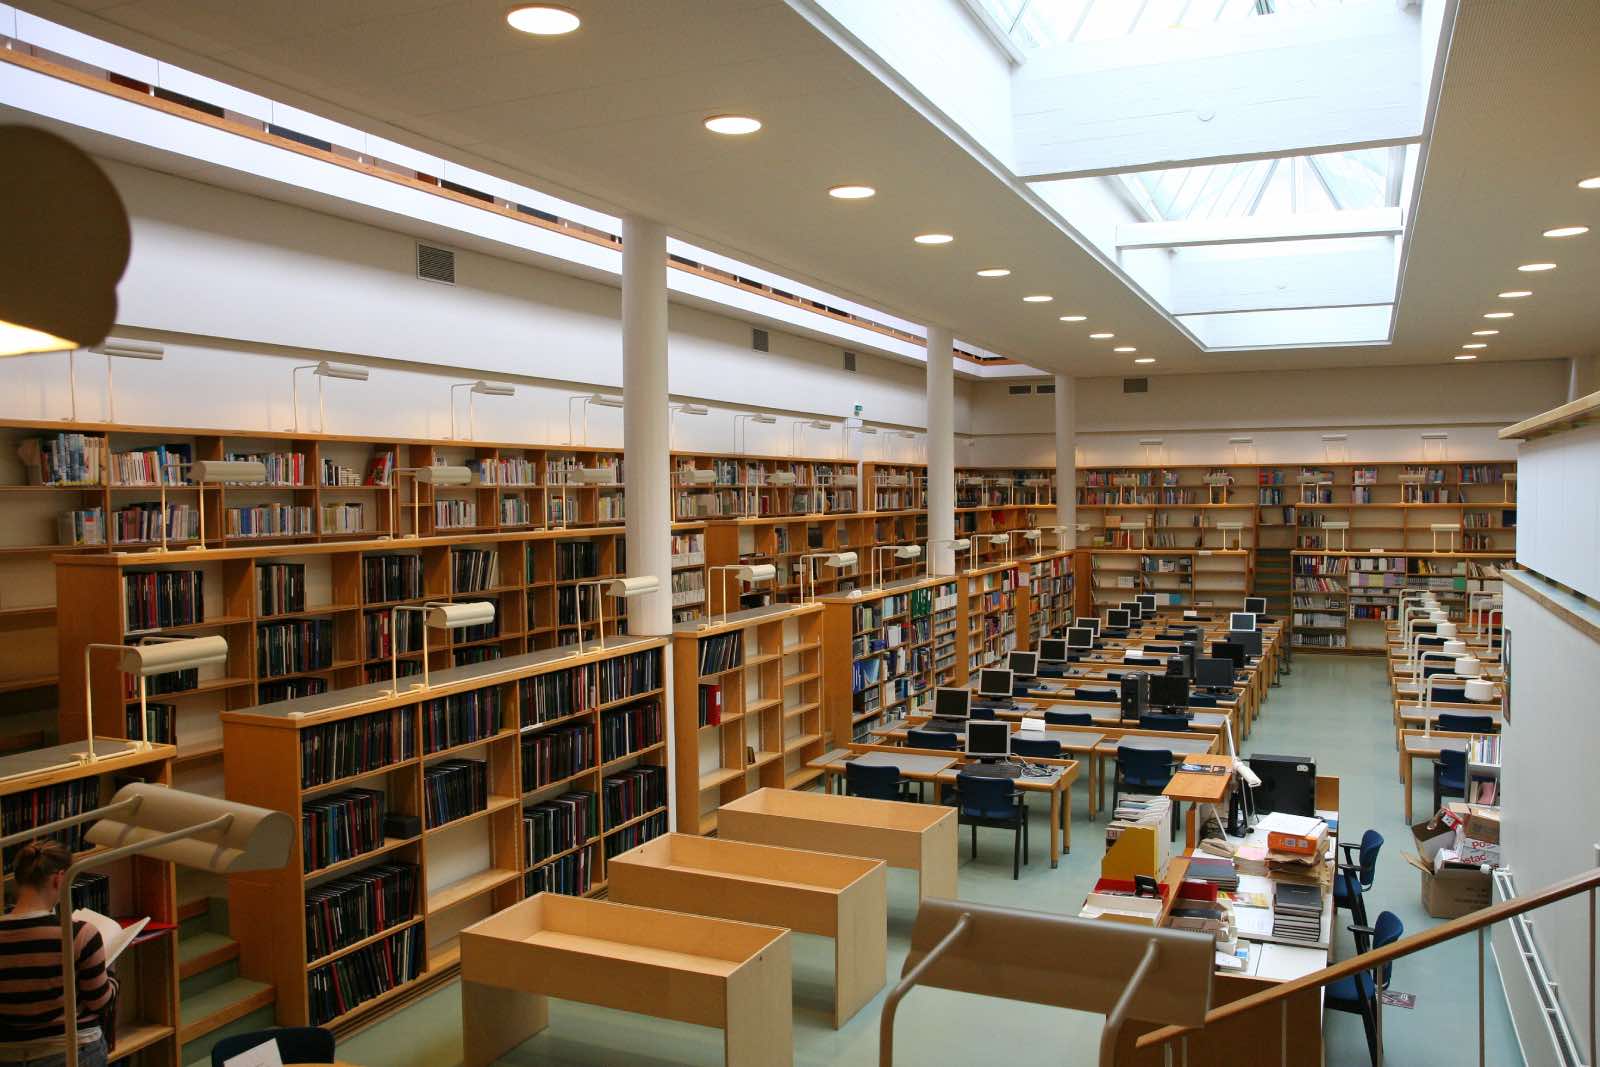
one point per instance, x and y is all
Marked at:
(1255, 605)
(1117, 619)
(1023, 665)
(988, 739)
(1288, 784)
(1087, 622)
(993, 682)
(1242, 621)
(1053, 650)
(952, 703)
(1229, 650)
(1080, 637)
(1131, 607)
(1169, 691)
(1213, 671)
(1250, 639)
(1147, 605)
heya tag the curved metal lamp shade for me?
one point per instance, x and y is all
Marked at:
(254, 839)
(68, 231)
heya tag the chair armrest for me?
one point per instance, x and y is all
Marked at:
(1349, 868)
(1357, 928)
(1349, 846)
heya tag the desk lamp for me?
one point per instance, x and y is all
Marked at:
(204, 471)
(626, 588)
(957, 545)
(475, 390)
(1235, 528)
(588, 400)
(1032, 537)
(1000, 540)
(446, 616)
(741, 428)
(420, 476)
(749, 573)
(686, 409)
(798, 428)
(322, 371)
(898, 551)
(833, 560)
(159, 655)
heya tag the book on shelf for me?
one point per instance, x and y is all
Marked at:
(269, 692)
(358, 745)
(557, 825)
(157, 599)
(81, 526)
(472, 570)
(340, 827)
(64, 459)
(160, 722)
(380, 469)
(268, 520)
(339, 987)
(282, 468)
(454, 789)
(294, 647)
(46, 804)
(460, 718)
(555, 755)
(154, 465)
(345, 517)
(721, 653)
(141, 523)
(346, 911)
(391, 577)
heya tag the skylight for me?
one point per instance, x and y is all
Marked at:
(1034, 24)
(1293, 185)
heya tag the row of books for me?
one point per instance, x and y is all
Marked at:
(368, 972)
(473, 570)
(81, 526)
(384, 633)
(294, 647)
(160, 722)
(557, 825)
(460, 718)
(347, 910)
(556, 755)
(630, 675)
(156, 465)
(710, 713)
(340, 827)
(688, 549)
(627, 730)
(155, 599)
(389, 577)
(47, 804)
(63, 459)
(515, 511)
(721, 652)
(357, 745)
(283, 468)
(633, 792)
(280, 588)
(506, 470)
(570, 875)
(142, 523)
(636, 835)
(347, 517)
(563, 470)
(291, 689)
(573, 560)
(454, 514)
(688, 588)
(454, 789)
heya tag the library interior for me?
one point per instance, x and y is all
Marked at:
(592, 533)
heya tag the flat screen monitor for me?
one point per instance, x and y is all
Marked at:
(1117, 619)
(1131, 607)
(952, 703)
(1250, 639)
(1213, 671)
(1147, 605)
(1229, 650)
(1053, 649)
(1080, 637)
(1241, 621)
(1169, 691)
(1288, 784)
(1023, 664)
(993, 682)
(1089, 623)
(988, 739)
(1255, 605)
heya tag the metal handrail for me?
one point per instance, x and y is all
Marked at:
(1477, 921)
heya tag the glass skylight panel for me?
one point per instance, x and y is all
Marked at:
(1293, 185)
(1033, 24)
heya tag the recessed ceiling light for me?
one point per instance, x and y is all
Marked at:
(1037, 298)
(1589, 183)
(1467, 357)
(1484, 333)
(1125, 348)
(1073, 318)
(732, 125)
(1145, 359)
(1566, 231)
(1101, 336)
(1479, 345)
(1500, 315)
(543, 20)
(993, 272)
(852, 192)
(933, 238)
(1534, 268)
(1515, 294)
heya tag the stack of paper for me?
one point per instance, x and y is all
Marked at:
(1217, 872)
(1297, 912)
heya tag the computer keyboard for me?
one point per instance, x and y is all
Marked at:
(949, 725)
(993, 770)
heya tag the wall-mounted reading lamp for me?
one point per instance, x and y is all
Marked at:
(447, 616)
(323, 371)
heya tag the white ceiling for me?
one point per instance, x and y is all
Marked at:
(611, 117)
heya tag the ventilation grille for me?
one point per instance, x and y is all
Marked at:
(436, 264)
(1046, 389)
(850, 362)
(759, 340)
(1019, 390)
(1136, 385)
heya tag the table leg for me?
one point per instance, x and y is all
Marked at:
(1066, 818)
(1191, 826)
(494, 1021)
(1409, 771)
(1055, 827)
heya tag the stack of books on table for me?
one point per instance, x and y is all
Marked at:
(1214, 871)
(1135, 809)
(1297, 912)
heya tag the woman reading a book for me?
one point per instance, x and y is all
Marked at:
(31, 968)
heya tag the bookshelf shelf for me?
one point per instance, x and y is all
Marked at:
(1341, 600)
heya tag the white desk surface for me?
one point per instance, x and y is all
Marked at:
(909, 763)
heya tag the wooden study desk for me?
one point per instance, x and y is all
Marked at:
(1109, 713)
(1415, 745)
(1199, 787)
(1180, 747)
(918, 837)
(842, 897)
(1411, 715)
(694, 969)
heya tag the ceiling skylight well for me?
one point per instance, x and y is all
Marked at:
(1033, 24)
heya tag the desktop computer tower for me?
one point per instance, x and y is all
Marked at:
(1288, 784)
(1135, 695)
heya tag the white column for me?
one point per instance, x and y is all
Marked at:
(646, 420)
(1067, 456)
(941, 448)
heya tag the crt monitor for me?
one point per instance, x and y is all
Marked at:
(1088, 622)
(1147, 604)
(1053, 650)
(995, 683)
(1117, 619)
(1242, 621)
(1250, 639)
(1229, 650)
(1169, 691)
(1023, 664)
(1255, 605)
(988, 739)
(1080, 637)
(1130, 606)
(1213, 671)
(1288, 784)
(952, 703)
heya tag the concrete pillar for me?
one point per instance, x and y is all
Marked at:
(941, 448)
(646, 421)
(1067, 457)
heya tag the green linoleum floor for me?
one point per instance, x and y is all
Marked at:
(1333, 708)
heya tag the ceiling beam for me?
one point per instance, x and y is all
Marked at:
(1373, 222)
(1205, 284)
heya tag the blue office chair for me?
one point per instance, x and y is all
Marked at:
(1467, 724)
(1358, 993)
(296, 1044)
(994, 802)
(943, 740)
(1141, 661)
(1202, 700)
(1143, 770)
(982, 713)
(1069, 718)
(1356, 870)
(1449, 776)
(875, 783)
(1171, 723)
(1109, 696)
(1449, 694)
(1036, 748)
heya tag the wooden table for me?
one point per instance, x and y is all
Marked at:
(918, 837)
(842, 897)
(694, 969)
(1178, 746)
(1197, 788)
(1076, 741)
(1410, 715)
(1415, 745)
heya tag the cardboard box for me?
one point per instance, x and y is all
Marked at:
(1479, 823)
(1456, 888)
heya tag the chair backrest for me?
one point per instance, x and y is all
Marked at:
(1069, 718)
(1386, 931)
(876, 783)
(943, 740)
(1163, 722)
(1449, 694)
(1371, 842)
(1202, 700)
(1041, 748)
(1141, 661)
(1146, 765)
(978, 711)
(1467, 724)
(1454, 761)
(296, 1044)
(983, 797)
(1107, 695)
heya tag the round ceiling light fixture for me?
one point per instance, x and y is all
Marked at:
(732, 125)
(1101, 336)
(933, 238)
(543, 20)
(852, 192)
(1466, 356)
(1038, 298)
(1484, 333)
(1535, 268)
(1567, 231)
(993, 272)
(1074, 318)
(1500, 315)
(1145, 359)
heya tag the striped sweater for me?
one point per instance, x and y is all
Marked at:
(30, 976)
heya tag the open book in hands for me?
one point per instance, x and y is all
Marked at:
(113, 935)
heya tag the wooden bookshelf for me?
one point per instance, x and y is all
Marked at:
(1047, 598)
(748, 695)
(477, 863)
(894, 486)
(886, 648)
(1001, 487)
(147, 1009)
(988, 617)
(784, 541)
(688, 582)
(1344, 601)
(740, 486)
